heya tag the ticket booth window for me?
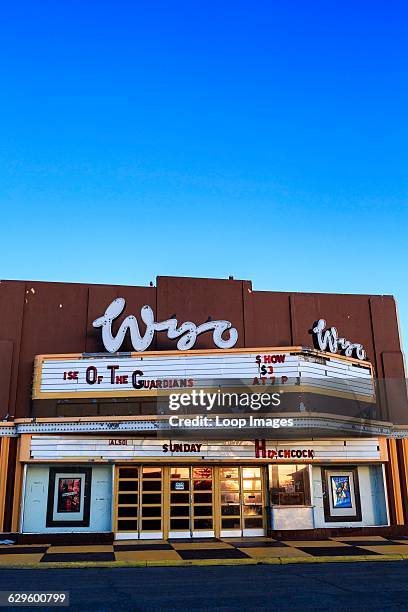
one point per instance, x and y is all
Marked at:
(289, 485)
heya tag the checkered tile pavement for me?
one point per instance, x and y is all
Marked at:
(203, 549)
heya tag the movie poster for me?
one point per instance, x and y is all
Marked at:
(69, 495)
(341, 493)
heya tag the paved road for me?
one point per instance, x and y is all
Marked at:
(331, 586)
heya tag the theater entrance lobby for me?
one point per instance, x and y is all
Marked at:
(188, 501)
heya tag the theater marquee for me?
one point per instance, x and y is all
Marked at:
(155, 373)
(56, 447)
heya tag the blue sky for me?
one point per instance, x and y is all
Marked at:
(266, 140)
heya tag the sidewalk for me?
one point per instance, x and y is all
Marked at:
(206, 551)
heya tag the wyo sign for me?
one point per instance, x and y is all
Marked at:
(187, 332)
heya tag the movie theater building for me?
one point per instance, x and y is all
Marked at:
(89, 443)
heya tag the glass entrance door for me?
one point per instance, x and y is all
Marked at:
(191, 502)
(139, 502)
(241, 501)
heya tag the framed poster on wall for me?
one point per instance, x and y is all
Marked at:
(69, 497)
(341, 495)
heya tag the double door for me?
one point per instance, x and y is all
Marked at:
(139, 502)
(189, 501)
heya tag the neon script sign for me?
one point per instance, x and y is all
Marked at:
(329, 340)
(187, 332)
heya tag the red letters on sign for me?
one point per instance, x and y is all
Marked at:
(270, 359)
(71, 375)
(261, 452)
(112, 369)
(91, 375)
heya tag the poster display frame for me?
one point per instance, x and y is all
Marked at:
(54, 517)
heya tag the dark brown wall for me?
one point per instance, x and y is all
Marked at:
(38, 318)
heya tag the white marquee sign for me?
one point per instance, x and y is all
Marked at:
(56, 447)
(187, 332)
(329, 340)
(146, 374)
